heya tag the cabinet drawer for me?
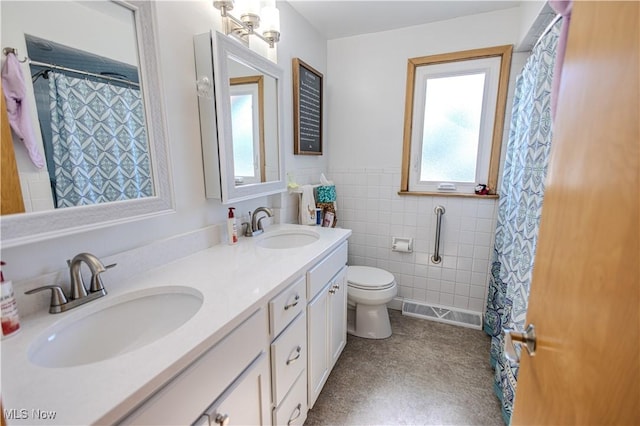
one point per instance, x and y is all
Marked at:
(186, 396)
(288, 357)
(319, 275)
(293, 410)
(286, 306)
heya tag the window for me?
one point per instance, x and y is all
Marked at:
(454, 116)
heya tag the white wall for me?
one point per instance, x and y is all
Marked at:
(366, 93)
(177, 22)
(300, 40)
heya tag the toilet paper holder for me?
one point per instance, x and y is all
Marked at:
(402, 244)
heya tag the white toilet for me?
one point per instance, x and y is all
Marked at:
(368, 292)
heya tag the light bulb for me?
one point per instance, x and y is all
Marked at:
(270, 19)
(245, 7)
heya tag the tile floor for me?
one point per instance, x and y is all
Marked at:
(426, 373)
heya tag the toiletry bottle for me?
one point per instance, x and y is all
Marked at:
(9, 307)
(232, 230)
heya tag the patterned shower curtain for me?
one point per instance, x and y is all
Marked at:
(519, 210)
(100, 149)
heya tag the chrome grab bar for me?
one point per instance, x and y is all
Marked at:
(439, 211)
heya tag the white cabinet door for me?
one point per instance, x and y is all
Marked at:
(183, 399)
(327, 332)
(326, 318)
(247, 401)
(318, 342)
(337, 315)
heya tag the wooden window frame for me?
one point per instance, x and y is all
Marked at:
(504, 52)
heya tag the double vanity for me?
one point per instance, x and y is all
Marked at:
(243, 334)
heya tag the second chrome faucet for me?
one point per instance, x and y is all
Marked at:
(78, 294)
(254, 226)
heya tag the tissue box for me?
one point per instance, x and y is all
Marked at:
(326, 194)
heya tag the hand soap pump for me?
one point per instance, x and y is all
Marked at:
(10, 319)
(232, 230)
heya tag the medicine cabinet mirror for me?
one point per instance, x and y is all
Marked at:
(83, 27)
(241, 125)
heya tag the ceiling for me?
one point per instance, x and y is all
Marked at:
(346, 18)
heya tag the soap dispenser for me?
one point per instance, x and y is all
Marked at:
(232, 230)
(10, 318)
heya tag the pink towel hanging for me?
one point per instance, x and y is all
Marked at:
(15, 93)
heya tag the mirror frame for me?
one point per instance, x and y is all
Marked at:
(226, 48)
(24, 228)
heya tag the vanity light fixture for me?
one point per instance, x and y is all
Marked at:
(251, 18)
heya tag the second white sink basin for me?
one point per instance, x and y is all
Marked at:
(288, 238)
(125, 324)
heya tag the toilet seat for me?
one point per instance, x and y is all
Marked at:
(369, 278)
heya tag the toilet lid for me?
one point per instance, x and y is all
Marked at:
(369, 278)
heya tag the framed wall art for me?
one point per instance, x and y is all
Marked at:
(307, 109)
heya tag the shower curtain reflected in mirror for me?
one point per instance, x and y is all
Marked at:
(520, 207)
(100, 150)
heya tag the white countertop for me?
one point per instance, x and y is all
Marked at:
(234, 280)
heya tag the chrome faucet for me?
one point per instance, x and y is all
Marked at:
(78, 289)
(78, 294)
(254, 226)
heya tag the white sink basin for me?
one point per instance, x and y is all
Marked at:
(288, 238)
(125, 324)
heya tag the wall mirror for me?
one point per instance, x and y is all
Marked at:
(241, 124)
(88, 51)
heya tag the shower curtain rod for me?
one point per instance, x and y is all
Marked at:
(547, 29)
(61, 68)
(8, 50)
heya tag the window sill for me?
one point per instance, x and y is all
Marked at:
(449, 194)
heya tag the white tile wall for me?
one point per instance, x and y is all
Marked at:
(368, 204)
(36, 191)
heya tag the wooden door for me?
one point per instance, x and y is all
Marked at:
(11, 195)
(584, 297)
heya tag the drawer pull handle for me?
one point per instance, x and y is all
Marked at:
(298, 351)
(294, 418)
(222, 419)
(291, 305)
